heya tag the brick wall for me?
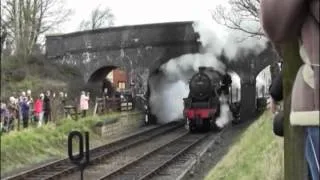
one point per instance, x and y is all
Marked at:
(118, 78)
(126, 123)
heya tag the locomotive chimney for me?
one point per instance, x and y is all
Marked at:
(201, 69)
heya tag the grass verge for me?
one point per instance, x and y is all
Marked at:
(35, 145)
(257, 154)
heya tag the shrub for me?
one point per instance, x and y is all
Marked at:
(35, 61)
(18, 75)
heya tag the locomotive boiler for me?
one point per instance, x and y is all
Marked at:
(202, 106)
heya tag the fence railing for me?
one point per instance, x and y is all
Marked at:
(104, 105)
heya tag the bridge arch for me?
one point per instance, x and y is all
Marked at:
(98, 79)
(263, 81)
(101, 73)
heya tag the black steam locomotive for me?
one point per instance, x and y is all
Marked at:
(202, 106)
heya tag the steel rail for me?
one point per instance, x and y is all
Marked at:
(63, 167)
(165, 154)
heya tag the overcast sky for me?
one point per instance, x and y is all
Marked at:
(129, 12)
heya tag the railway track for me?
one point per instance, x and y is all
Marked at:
(152, 162)
(60, 168)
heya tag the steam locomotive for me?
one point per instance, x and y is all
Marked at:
(202, 106)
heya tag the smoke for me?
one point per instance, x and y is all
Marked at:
(225, 114)
(170, 86)
(235, 87)
(186, 65)
(262, 81)
(167, 99)
(239, 42)
(210, 42)
(260, 86)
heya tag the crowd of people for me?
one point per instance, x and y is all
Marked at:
(26, 109)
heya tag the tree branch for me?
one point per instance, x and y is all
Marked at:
(244, 11)
(98, 19)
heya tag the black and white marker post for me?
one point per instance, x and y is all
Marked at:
(81, 160)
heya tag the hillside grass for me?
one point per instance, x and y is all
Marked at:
(35, 145)
(256, 155)
(36, 73)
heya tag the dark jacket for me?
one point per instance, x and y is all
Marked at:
(46, 103)
(275, 90)
(24, 107)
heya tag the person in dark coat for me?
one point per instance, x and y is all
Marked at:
(226, 82)
(25, 108)
(276, 92)
(47, 108)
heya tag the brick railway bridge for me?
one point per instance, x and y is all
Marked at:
(141, 49)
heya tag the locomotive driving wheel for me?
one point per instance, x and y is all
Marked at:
(191, 126)
(206, 125)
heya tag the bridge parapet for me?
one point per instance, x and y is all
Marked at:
(123, 37)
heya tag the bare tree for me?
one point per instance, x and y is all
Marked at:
(98, 19)
(4, 33)
(26, 20)
(242, 13)
(244, 16)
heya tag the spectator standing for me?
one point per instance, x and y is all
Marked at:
(5, 120)
(38, 109)
(30, 102)
(19, 103)
(84, 103)
(20, 100)
(2, 116)
(25, 108)
(13, 110)
(29, 97)
(62, 103)
(47, 107)
(62, 99)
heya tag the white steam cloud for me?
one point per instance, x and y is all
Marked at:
(235, 87)
(167, 101)
(261, 87)
(170, 87)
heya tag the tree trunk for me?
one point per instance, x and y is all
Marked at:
(294, 162)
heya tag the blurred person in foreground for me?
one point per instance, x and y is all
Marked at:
(285, 20)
